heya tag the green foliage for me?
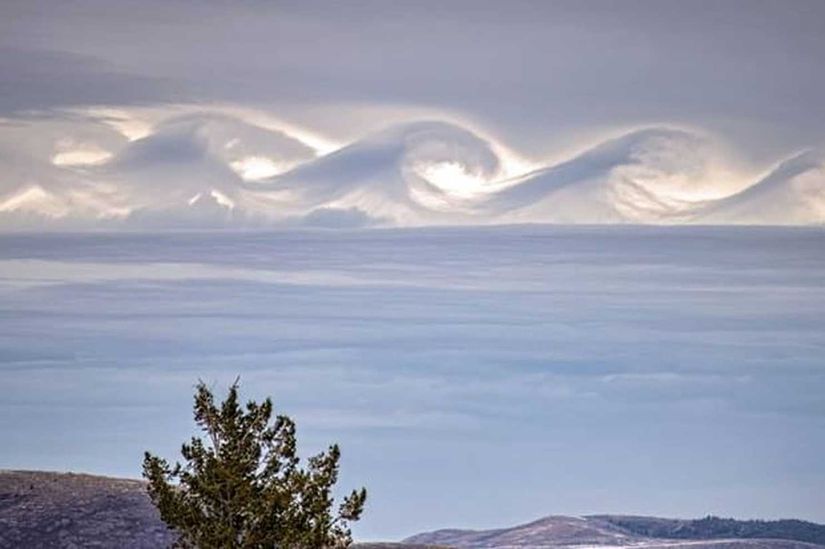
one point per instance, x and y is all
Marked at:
(243, 487)
(712, 527)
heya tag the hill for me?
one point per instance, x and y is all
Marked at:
(641, 532)
(43, 509)
(715, 527)
(48, 510)
(39, 509)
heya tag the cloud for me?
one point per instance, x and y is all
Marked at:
(434, 355)
(46, 80)
(541, 76)
(630, 178)
(554, 82)
(338, 218)
(196, 167)
(794, 189)
(384, 174)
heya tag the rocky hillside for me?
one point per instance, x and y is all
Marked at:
(40, 509)
(57, 510)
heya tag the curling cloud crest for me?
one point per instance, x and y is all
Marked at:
(212, 170)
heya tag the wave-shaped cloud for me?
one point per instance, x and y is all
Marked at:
(626, 179)
(215, 170)
(792, 193)
(388, 175)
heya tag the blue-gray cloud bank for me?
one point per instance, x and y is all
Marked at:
(474, 376)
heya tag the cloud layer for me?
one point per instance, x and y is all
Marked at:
(117, 116)
(658, 370)
(212, 169)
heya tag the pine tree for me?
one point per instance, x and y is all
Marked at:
(243, 487)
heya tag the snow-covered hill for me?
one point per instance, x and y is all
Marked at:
(608, 531)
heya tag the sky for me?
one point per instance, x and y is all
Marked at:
(535, 72)
(540, 83)
(474, 377)
(447, 235)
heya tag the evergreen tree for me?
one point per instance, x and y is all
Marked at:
(243, 487)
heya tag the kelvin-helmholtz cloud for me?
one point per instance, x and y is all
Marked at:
(373, 114)
(208, 169)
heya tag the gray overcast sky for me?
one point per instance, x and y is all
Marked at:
(538, 74)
